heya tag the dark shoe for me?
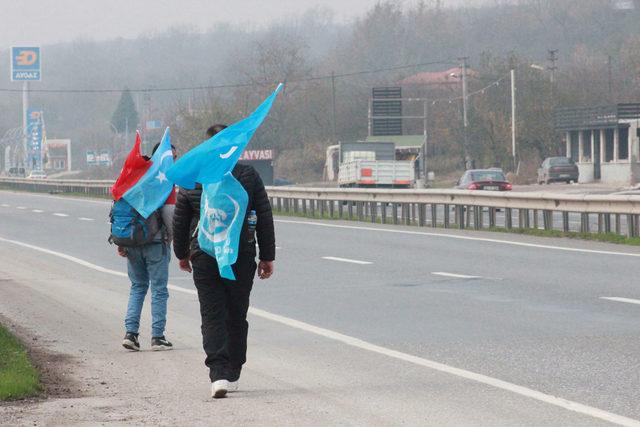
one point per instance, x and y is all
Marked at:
(131, 342)
(160, 343)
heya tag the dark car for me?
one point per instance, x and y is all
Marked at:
(556, 169)
(484, 179)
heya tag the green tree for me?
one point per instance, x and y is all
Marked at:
(125, 117)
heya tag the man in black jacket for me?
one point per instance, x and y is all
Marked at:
(224, 303)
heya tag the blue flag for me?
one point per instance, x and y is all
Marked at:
(153, 188)
(213, 158)
(222, 211)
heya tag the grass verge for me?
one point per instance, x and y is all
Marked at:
(18, 377)
(598, 237)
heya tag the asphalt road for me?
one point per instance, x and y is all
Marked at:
(362, 324)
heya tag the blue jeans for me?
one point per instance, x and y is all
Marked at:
(148, 266)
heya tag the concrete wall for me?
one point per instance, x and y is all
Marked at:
(586, 172)
(616, 173)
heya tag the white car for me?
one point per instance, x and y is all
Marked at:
(37, 175)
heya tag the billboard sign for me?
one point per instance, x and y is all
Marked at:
(25, 64)
(91, 158)
(153, 124)
(35, 134)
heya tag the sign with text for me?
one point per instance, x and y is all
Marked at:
(25, 64)
(249, 155)
(35, 133)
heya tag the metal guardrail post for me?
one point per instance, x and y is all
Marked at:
(406, 210)
(535, 219)
(447, 214)
(373, 210)
(565, 222)
(312, 206)
(508, 218)
(584, 222)
(460, 214)
(394, 212)
(350, 210)
(434, 215)
(492, 217)
(477, 211)
(547, 219)
(422, 213)
(618, 225)
(607, 223)
(383, 213)
(600, 223)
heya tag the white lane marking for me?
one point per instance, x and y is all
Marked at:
(60, 214)
(85, 219)
(4, 205)
(364, 345)
(352, 261)
(21, 207)
(459, 276)
(37, 210)
(618, 299)
(453, 236)
(46, 196)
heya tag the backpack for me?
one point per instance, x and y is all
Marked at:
(129, 228)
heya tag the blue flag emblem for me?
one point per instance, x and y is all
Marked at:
(213, 158)
(222, 211)
(151, 191)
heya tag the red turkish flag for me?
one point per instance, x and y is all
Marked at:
(134, 167)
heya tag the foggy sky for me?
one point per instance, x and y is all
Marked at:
(41, 22)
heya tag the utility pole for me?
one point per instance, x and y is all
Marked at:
(553, 57)
(25, 109)
(465, 119)
(333, 100)
(609, 67)
(513, 118)
(425, 168)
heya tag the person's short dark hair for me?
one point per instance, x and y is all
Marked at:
(215, 129)
(155, 147)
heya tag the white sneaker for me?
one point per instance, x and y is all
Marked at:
(233, 386)
(219, 389)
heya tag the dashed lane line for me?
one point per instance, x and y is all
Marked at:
(458, 276)
(347, 260)
(619, 299)
(364, 345)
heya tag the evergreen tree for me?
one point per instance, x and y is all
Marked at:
(125, 117)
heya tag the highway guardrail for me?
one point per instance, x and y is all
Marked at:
(434, 208)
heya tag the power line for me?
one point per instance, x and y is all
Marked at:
(234, 85)
(458, 98)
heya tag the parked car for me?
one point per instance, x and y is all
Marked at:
(484, 179)
(37, 175)
(555, 169)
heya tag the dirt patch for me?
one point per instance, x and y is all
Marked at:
(55, 368)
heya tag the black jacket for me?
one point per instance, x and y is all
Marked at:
(187, 215)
